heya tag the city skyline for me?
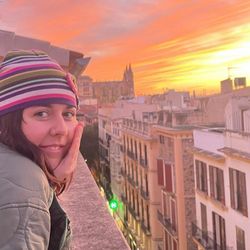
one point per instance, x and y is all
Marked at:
(186, 45)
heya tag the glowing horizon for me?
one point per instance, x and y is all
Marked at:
(183, 45)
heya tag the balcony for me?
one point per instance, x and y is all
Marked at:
(145, 229)
(144, 194)
(133, 182)
(133, 212)
(123, 173)
(131, 155)
(122, 149)
(143, 163)
(124, 199)
(204, 239)
(167, 224)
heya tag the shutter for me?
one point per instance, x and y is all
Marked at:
(221, 183)
(211, 176)
(222, 233)
(174, 245)
(168, 177)
(232, 188)
(197, 175)
(204, 165)
(173, 215)
(203, 218)
(243, 192)
(160, 172)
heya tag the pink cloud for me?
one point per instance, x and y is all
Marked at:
(160, 38)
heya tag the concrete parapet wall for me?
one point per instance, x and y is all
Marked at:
(92, 224)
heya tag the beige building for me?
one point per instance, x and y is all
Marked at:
(159, 201)
(141, 193)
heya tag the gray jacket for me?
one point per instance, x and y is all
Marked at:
(25, 198)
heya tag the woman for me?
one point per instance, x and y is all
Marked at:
(39, 145)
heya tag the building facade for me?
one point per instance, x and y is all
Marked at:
(222, 161)
(176, 178)
(111, 91)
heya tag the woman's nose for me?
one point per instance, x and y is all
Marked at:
(58, 126)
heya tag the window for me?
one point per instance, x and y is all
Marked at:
(168, 177)
(238, 191)
(160, 172)
(166, 208)
(140, 154)
(174, 245)
(217, 184)
(173, 215)
(203, 219)
(145, 155)
(201, 176)
(146, 182)
(161, 139)
(142, 209)
(136, 156)
(148, 218)
(240, 239)
(168, 241)
(138, 207)
(219, 232)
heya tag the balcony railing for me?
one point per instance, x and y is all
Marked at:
(122, 149)
(123, 173)
(133, 212)
(143, 163)
(144, 194)
(171, 228)
(131, 155)
(204, 239)
(133, 182)
(124, 199)
(145, 229)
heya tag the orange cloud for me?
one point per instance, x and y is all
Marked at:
(170, 44)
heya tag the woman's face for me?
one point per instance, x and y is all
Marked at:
(51, 128)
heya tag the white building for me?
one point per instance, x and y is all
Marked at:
(222, 170)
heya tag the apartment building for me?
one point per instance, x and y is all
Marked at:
(104, 128)
(141, 195)
(159, 201)
(111, 157)
(222, 161)
(176, 178)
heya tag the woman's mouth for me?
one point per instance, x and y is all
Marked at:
(54, 148)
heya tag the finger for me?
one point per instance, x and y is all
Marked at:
(74, 148)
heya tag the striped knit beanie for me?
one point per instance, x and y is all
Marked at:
(29, 78)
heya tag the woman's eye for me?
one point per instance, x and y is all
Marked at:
(69, 114)
(42, 114)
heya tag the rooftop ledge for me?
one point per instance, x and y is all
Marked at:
(208, 154)
(91, 222)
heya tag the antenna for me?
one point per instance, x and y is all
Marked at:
(229, 71)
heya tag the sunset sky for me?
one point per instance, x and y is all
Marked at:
(185, 45)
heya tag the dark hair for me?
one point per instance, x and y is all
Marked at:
(11, 135)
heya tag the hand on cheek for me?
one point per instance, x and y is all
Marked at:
(68, 164)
